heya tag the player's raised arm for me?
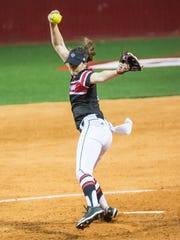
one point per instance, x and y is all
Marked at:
(57, 40)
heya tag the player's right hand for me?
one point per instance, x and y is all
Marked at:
(50, 15)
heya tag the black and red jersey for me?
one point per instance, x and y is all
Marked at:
(83, 97)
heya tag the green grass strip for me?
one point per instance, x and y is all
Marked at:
(28, 73)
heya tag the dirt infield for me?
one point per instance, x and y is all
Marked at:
(37, 158)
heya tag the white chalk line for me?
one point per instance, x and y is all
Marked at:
(73, 195)
(80, 194)
(144, 212)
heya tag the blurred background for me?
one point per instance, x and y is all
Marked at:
(23, 21)
(29, 67)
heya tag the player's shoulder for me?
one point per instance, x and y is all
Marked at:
(85, 73)
(85, 77)
(87, 70)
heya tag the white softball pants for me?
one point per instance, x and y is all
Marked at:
(94, 140)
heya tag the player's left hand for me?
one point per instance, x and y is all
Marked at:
(131, 60)
(122, 68)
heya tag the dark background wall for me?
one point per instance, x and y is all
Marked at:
(24, 21)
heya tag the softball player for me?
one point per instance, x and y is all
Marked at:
(95, 131)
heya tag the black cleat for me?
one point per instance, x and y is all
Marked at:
(92, 214)
(109, 214)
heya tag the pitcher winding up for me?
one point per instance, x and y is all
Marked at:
(95, 131)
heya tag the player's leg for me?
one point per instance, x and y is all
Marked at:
(88, 152)
(86, 158)
(109, 212)
(93, 142)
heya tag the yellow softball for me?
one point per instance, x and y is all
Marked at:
(56, 18)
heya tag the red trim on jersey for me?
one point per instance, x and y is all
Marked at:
(84, 77)
(77, 88)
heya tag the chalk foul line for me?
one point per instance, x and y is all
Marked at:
(143, 212)
(80, 194)
(73, 195)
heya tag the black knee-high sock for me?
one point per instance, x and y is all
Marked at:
(88, 186)
(100, 196)
(98, 190)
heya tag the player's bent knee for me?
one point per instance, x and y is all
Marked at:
(81, 172)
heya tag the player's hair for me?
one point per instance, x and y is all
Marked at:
(89, 48)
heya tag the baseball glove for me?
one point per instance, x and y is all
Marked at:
(131, 60)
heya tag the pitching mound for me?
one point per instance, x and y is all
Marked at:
(40, 196)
